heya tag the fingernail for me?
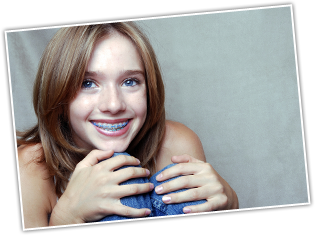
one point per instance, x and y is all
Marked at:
(186, 210)
(147, 171)
(159, 189)
(147, 212)
(151, 186)
(159, 176)
(166, 199)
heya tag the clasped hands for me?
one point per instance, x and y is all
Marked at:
(93, 191)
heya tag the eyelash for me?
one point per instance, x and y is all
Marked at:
(137, 82)
(85, 81)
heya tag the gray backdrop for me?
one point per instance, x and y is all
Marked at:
(231, 77)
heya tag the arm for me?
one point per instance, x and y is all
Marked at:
(181, 145)
(37, 187)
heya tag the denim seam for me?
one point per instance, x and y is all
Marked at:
(159, 205)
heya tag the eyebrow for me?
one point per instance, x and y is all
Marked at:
(121, 73)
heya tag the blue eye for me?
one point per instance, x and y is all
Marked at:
(130, 82)
(88, 84)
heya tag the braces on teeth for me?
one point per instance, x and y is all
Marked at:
(111, 127)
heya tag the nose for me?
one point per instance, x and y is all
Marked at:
(111, 100)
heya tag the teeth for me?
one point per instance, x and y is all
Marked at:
(110, 127)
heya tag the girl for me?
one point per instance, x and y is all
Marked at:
(99, 90)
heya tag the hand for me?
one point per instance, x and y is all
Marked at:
(202, 182)
(94, 192)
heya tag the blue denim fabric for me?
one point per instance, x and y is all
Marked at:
(150, 200)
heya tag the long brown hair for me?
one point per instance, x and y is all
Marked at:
(60, 76)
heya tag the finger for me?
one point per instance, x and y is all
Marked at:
(189, 195)
(177, 170)
(183, 182)
(120, 161)
(131, 172)
(133, 189)
(216, 203)
(131, 212)
(185, 158)
(94, 157)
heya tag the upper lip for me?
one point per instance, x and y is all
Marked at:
(110, 121)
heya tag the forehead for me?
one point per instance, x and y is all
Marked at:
(115, 51)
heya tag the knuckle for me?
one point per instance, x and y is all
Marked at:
(185, 182)
(220, 188)
(208, 166)
(94, 151)
(123, 159)
(132, 171)
(194, 195)
(81, 165)
(105, 194)
(127, 211)
(104, 208)
(224, 200)
(210, 207)
(77, 168)
(214, 178)
(133, 189)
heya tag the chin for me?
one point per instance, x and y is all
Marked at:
(117, 148)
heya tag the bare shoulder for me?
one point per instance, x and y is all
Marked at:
(28, 156)
(27, 153)
(37, 187)
(179, 140)
(180, 131)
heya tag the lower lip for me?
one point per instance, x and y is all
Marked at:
(113, 133)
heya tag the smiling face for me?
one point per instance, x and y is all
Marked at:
(111, 106)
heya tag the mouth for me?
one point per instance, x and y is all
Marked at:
(111, 127)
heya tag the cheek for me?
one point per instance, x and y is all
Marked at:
(80, 108)
(138, 104)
